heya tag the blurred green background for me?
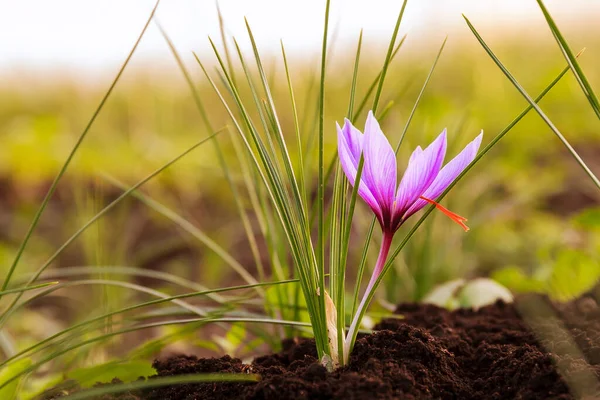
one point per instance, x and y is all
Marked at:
(534, 215)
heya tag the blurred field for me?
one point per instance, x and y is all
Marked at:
(533, 213)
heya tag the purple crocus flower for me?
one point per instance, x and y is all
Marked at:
(423, 181)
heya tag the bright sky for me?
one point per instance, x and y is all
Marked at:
(95, 35)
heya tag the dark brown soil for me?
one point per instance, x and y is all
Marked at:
(531, 350)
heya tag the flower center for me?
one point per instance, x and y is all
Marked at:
(454, 217)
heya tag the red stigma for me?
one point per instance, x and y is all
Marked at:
(454, 217)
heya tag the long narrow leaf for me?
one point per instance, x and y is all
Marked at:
(222, 163)
(68, 272)
(296, 128)
(207, 292)
(375, 82)
(27, 288)
(320, 248)
(339, 255)
(56, 354)
(100, 214)
(572, 60)
(479, 156)
(388, 58)
(537, 108)
(300, 245)
(420, 96)
(192, 230)
(155, 382)
(67, 162)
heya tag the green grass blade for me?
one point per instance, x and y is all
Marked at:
(275, 161)
(362, 265)
(295, 230)
(160, 382)
(67, 162)
(572, 60)
(266, 229)
(223, 164)
(109, 282)
(27, 288)
(531, 101)
(386, 109)
(353, 117)
(355, 75)
(299, 242)
(61, 352)
(374, 85)
(190, 228)
(100, 214)
(251, 183)
(208, 292)
(340, 240)
(293, 214)
(388, 58)
(479, 156)
(300, 171)
(337, 270)
(296, 195)
(272, 113)
(320, 248)
(268, 176)
(224, 40)
(420, 96)
(68, 272)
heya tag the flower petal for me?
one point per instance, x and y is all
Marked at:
(423, 167)
(354, 139)
(415, 153)
(448, 174)
(380, 164)
(349, 149)
(350, 142)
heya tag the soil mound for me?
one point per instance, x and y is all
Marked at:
(531, 350)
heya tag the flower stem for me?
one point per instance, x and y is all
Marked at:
(381, 259)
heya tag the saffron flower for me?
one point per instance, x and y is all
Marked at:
(424, 179)
(423, 182)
